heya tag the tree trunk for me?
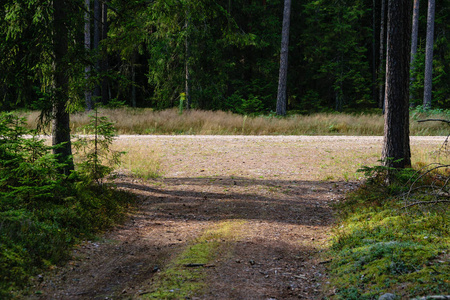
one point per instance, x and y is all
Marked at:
(96, 46)
(133, 78)
(414, 38)
(87, 45)
(60, 117)
(427, 93)
(374, 59)
(229, 13)
(396, 148)
(284, 54)
(187, 66)
(382, 63)
(104, 68)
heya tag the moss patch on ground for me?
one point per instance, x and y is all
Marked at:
(380, 247)
(185, 275)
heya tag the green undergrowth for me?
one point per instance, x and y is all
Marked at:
(185, 275)
(43, 213)
(381, 247)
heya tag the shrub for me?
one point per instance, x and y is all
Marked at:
(42, 212)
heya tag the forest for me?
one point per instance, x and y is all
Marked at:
(173, 171)
(212, 55)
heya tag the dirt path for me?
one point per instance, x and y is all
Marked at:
(262, 201)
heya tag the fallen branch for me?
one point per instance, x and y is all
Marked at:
(325, 262)
(424, 202)
(199, 265)
(194, 265)
(437, 120)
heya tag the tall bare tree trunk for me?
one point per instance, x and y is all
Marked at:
(414, 38)
(96, 45)
(87, 45)
(187, 58)
(60, 116)
(382, 63)
(284, 55)
(428, 84)
(396, 148)
(229, 14)
(105, 65)
(133, 78)
(374, 59)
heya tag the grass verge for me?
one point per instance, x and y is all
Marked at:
(379, 247)
(182, 279)
(148, 121)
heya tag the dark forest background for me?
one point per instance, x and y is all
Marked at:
(138, 54)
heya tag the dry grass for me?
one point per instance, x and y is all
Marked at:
(141, 159)
(167, 122)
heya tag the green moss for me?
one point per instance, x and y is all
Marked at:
(379, 248)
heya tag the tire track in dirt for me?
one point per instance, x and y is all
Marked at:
(282, 187)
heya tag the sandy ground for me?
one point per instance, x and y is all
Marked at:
(277, 188)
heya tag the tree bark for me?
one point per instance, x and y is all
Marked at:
(382, 63)
(105, 64)
(428, 84)
(396, 148)
(374, 60)
(133, 78)
(187, 65)
(87, 45)
(284, 54)
(414, 38)
(96, 45)
(60, 117)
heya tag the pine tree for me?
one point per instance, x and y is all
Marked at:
(429, 56)
(60, 116)
(414, 39)
(87, 44)
(284, 54)
(396, 149)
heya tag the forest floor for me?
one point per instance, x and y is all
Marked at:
(264, 203)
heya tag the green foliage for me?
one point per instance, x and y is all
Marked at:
(26, 53)
(27, 169)
(252, 105)
(335, 52)
(233, 50)
(441, 54)
(42, 213)
(220, 30)
(393, 179)
(419, 113)
(380, 247)
(182, 100)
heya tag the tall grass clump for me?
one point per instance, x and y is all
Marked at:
(142, 163)
(380, 246)
(42, 212)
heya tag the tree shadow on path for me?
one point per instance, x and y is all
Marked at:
(222, 198)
